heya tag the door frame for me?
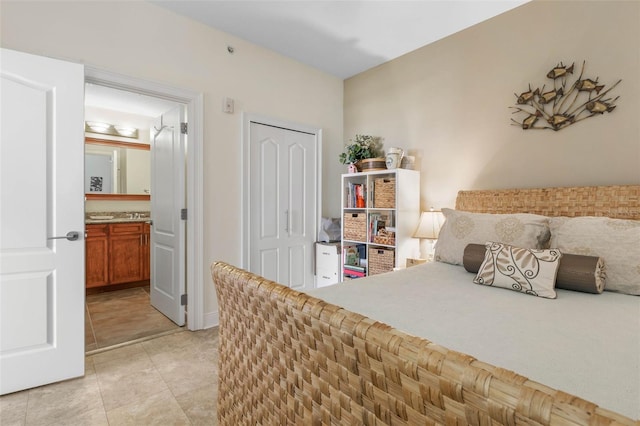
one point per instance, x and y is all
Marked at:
(247, 119)
(194, 244)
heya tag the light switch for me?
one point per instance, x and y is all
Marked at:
(227, 105)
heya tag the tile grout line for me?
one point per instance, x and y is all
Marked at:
(164, 380)
(95, 371)
(93, 330)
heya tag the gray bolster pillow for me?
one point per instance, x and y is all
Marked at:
(577, 273)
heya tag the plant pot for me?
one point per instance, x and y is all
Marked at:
(372, 164)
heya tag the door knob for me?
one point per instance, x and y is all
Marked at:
(71, 236)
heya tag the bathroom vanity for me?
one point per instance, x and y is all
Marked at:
(117, 251)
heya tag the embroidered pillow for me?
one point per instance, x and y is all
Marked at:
(463, 228)
(530, 271)
(616, 241)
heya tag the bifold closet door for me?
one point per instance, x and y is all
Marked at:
(283, 182)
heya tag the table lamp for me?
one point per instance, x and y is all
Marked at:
(429, 228)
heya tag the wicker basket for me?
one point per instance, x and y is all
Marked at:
(385, 237)
(381, 260)
(384, 193)
(355, 226)
(387, 241)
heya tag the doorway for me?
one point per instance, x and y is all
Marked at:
(194, 175)
(120, 304)
(282, 196)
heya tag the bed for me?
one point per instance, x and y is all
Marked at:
(397, 348)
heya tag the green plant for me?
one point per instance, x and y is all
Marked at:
(361, 147)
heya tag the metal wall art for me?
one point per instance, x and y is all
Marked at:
(563, 104)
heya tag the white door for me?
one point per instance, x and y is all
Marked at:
(168, 228)
(42, 197)
(282, 204)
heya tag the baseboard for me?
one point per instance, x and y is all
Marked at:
(211, 319)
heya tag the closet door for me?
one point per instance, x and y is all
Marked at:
(282, 204)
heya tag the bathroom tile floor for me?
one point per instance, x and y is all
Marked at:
(120, 316)
(168, 380)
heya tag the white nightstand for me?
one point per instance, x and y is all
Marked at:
(327, 264)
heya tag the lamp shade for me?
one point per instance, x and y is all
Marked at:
(429, 226)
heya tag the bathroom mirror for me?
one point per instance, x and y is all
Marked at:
(116, 170)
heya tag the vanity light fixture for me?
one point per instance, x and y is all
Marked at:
(110, 129)
(127, 132)
(97, 126)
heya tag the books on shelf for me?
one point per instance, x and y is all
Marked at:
(378, 222)
(354, 261)
(353, 254)
(354, 271)
(356, 194)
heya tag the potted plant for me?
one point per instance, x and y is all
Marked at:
(362, 147)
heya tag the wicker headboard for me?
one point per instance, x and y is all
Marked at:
(621, 202)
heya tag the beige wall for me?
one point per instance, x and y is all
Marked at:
(448, 101)
(142, 40)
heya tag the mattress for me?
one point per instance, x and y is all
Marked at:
(584, 344)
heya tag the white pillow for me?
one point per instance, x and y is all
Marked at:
(462, 228)
(616, 241)
(529, 271)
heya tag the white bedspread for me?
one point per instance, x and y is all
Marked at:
(584, 344)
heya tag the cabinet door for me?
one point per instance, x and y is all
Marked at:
(97, 256)
(125, 253)
(146, 252)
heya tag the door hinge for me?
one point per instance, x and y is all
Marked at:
(183, 214)
(183, 300)
(184, 128)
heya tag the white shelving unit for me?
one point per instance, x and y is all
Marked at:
(385, 199)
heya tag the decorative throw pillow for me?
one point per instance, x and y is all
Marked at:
(463, 228)
(529, 271)
(616, 241)
(576, 272)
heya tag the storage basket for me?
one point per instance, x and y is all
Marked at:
(381, 260)
(386, 240)
(385, 237)
(384, 193)
(355, 226)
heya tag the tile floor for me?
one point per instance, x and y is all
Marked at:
(168, 380)
(120, 316)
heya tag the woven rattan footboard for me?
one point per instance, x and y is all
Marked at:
(288, 358)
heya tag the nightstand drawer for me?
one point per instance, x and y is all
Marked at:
(326, 277)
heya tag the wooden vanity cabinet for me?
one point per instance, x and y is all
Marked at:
(146, 251)
(125, 252)
(117, 253)
(97, 255)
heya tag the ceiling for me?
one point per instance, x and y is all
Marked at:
(342, 38)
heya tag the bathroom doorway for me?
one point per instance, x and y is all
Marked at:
(123, 101)
(120, 132)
